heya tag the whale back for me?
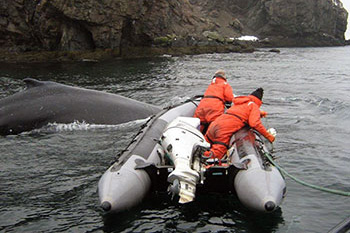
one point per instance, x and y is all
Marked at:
(45, 102)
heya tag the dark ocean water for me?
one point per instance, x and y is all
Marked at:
(49, 177)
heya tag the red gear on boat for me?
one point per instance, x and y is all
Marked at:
(213, 103)
(244, 111)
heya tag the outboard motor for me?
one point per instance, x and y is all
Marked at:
(181, 140)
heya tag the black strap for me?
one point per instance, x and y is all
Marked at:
(218, 142)
(232, 114)
(214, 97)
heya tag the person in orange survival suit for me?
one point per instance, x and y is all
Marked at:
(218, 93)
(244, 111)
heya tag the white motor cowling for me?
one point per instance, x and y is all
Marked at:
(180, 139)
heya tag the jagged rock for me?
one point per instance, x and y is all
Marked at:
(127, 27)
(283, 22)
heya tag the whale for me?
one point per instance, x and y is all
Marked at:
(43, 102)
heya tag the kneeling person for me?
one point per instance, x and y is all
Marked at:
(245, 111)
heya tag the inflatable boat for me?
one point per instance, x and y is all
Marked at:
(166, 155)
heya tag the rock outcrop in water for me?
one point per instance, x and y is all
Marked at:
(144, 27)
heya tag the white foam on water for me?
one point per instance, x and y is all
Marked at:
(84, 126)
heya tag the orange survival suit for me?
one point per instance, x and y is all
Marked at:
(244, 111)
(213, 103)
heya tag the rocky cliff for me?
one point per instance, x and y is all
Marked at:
(141, 27)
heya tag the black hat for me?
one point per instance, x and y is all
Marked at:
(258, 93)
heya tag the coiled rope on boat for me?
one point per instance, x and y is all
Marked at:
(283, 171)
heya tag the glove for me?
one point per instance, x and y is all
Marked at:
(263, 114)
(270, 137)
(272, 131)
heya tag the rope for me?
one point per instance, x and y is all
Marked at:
(338, 192)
